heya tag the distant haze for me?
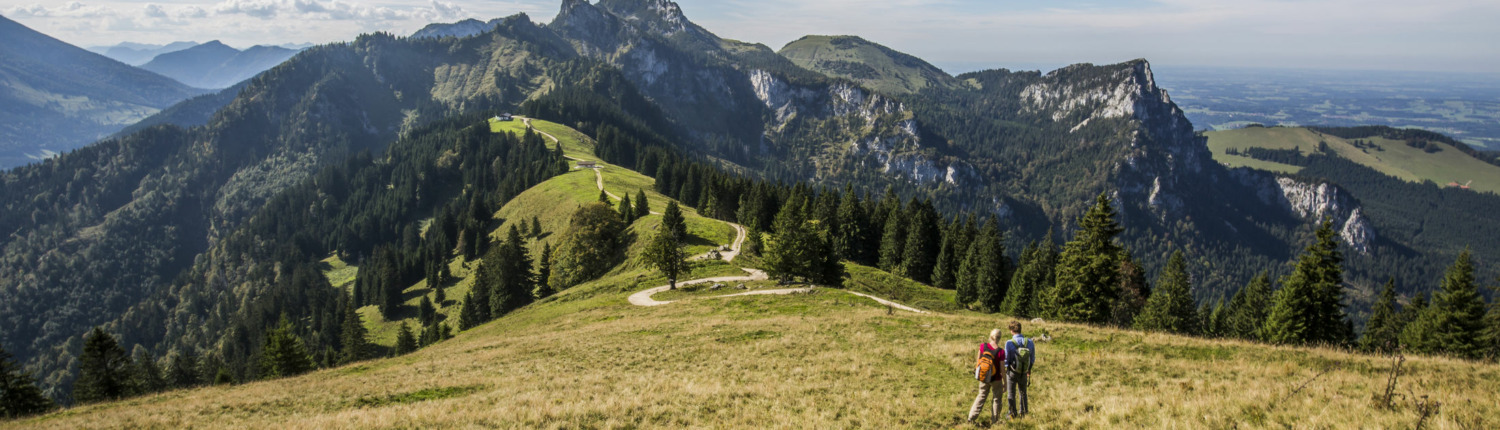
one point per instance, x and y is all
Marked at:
(960, 35)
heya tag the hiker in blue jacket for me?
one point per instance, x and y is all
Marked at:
(1020, 356)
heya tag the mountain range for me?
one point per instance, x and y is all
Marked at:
(55, 97)
(216, 65)
(136, 54)
(134, 233)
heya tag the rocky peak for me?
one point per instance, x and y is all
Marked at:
(664, 14)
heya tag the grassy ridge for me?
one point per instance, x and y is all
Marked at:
(1393, 157)
(552, 203)
(821, 360)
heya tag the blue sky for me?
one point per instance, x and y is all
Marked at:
(959, 35)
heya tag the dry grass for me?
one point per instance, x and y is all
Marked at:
(822, 360)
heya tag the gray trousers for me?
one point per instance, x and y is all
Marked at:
(988, 390)
(1016, 383)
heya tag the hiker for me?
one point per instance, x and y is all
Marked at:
(1020, 356)
(987, 372)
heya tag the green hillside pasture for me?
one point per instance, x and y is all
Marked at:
(1394, 158)
(821, 360)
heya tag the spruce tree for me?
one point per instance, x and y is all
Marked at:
(923, 242)
(406, 342)
(19, 395)
(672, 218)
(182, 371)
(148, 374)
(1454, 322)
(854, 228)
(665, 253)
(1170, 308)
(425, 311)
(967, 280)
(892, 240)
(506, 271)
(604, 198)
(627, 212)
(1382, 332)
(991, 278)
(1309, 306)
(642, 206)
(1247, 310)
(945, 274)
(1491, 336)
(353, 336)
(283, 353)
(536, 226)
(1133, 292)
(104, 371)
(1087, 270)
(543, 272)
(791, 252)
(474, 311)
(1019, 297)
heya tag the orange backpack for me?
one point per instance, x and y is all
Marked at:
(984, 370)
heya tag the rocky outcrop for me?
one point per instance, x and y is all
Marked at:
(1313, 201)
(889, 137)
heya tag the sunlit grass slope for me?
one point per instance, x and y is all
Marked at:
(1393, 157)
(552, 203)
(588, 359)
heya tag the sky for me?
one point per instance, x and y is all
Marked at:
(957, 35)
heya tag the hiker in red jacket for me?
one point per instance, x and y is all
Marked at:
(989, 372)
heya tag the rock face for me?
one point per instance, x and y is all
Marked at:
(1311, 202)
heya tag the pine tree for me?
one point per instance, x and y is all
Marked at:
(353, 336)
(1309, 306)
(1247, 310)
(642, 206)
(1491, 336)
(665, 253)
(104, 371)
(922, 242)
(1381, 331)
(425, 311)
(1133, 292)
(1019, 297)
(604, 198)
(967, 281)
(1087, 270)
(543, 273)
(673, 221)
(19, 395)
(1454, 322)
(893, 240)
(945, 274)
(536, 226)
(474, 311)
(148, 374)
(283, 353)
(854, 228)
(992, 278)
(506, 274)
(1170, 308)
(406, 342)
(182, 371)
(627, 212)
(791, 252)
